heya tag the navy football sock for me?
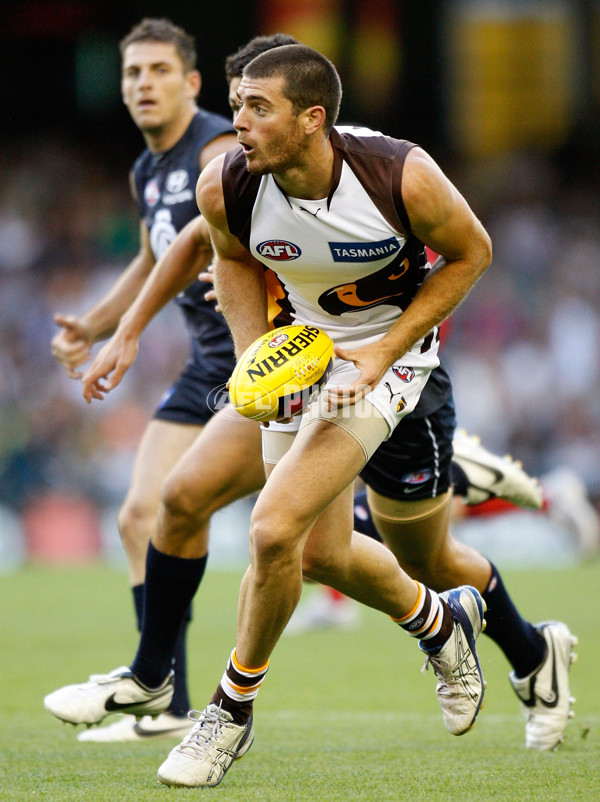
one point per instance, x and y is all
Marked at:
(171, 583)
(520, 641)
(180, 703)
(138, 603)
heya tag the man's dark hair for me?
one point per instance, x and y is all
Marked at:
(235, 63)
(163, 30)
(310, 79)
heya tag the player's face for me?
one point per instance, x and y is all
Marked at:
(269, 131)
(155, 88)
(234, 101)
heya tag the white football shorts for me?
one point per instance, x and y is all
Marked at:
(370, 421)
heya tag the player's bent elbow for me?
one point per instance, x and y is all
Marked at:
(485, 252)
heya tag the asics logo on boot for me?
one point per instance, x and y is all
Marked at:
(465, 668)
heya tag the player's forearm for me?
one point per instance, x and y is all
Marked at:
(103, 318)
(188, 255)
(441, 218)
(243, 298)
(440, 294)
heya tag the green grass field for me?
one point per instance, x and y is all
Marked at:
(342, 715)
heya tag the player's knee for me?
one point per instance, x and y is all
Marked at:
(135, 521)
(271, 540)
(180, 500)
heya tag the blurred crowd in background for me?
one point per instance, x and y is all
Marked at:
(523, 350)
(61, 462)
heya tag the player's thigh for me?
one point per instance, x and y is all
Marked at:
(277, 439)
(415, 462)
(330, 536)
(223, 464)
(416, 532)
(322, 462)
(161, 447)
(408, 481)
(181, 415)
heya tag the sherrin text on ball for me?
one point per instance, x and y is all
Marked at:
(279, 373)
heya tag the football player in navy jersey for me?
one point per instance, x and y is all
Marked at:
(388, 484)
(160, 85)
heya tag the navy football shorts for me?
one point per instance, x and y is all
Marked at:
(415, 462)
(190, 399)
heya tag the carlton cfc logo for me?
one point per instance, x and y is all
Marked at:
(278, 249)
(278, 340)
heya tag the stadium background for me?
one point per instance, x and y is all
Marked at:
(505, 94)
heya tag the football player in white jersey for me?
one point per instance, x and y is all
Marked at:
(290, 99)
(121, 358)
(317, 514)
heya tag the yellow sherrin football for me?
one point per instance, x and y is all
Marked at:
(279, 373)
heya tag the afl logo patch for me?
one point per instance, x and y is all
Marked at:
(278, 249)
(152, 192)
(404, 374)
(176, 181)
(278, 340)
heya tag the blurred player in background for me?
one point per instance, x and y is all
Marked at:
(160, 84)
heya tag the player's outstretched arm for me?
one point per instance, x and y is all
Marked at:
(111, 363)
(187, 256)
(239, 277)
(71, 346)
(441, 218)
(179, 266)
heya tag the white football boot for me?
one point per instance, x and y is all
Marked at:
(117, 692)
(207, 752)
(544, 694)
(128, 728)
(460, 685)
(490, 476)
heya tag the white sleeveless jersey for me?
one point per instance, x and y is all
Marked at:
(347, 263)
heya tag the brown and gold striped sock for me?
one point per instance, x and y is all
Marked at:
(238, 688)
(430, 619)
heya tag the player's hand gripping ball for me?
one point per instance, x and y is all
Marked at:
(276, 377)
